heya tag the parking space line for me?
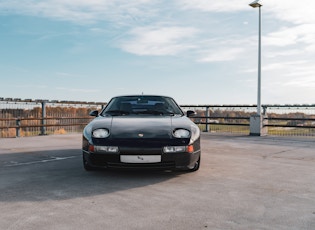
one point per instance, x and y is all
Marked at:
(38, 162)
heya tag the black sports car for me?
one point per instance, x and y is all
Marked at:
(141, 131)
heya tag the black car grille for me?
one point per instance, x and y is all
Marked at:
(141, 142)
(162, 165)
(113, 162)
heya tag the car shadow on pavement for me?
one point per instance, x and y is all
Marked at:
(59, 175)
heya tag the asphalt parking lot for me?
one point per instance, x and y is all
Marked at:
(243, 183)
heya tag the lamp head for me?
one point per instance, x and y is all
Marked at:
(255, 4)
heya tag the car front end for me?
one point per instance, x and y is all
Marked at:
(142, 141)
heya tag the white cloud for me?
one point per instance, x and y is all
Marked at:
(291, 75)
(224, 54)
(159, 40)
(272, 53)
(80, 11)
(214, 6)
(285, 65)
(288, 36)
(297, 12)
(301, 82)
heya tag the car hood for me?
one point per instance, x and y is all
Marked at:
(145, 128)
(141, 127)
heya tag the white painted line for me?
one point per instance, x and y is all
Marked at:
(13, 163)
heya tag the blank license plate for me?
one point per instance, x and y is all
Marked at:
(140, 158)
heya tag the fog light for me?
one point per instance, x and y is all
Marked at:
(106, 149)
(174, 149)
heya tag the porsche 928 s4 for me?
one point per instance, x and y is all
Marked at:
(142, 131)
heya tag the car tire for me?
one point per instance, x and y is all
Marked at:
(86, 165)
(196, 166)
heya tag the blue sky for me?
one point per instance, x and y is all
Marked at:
(197, 51)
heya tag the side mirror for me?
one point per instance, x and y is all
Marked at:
(94, 113)
(190, 113)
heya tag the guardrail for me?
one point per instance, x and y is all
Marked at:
(41, 117)
(44, 124)
(281, 120)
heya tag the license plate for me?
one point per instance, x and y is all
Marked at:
(140, 158)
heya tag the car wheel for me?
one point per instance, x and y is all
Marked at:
(86, 165)
(196, 166)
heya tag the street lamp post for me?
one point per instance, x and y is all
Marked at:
(256, 125)
(256, 4)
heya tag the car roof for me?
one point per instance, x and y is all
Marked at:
(142, 95)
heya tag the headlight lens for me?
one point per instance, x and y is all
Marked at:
(100, 133)
(181, 133)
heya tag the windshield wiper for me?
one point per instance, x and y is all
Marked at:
(117, 112)
(156, 112)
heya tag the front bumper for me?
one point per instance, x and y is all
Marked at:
(180, 160)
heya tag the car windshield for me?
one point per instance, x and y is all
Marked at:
(142, 105)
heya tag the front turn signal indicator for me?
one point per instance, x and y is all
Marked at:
(91, 148)
(190, 148)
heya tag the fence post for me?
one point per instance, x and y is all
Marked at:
(207, 120)
(43, 120)
(18, 127)
(265, 120)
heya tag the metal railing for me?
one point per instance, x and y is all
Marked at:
(281, 120)
(59, 125)
(42, 117)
